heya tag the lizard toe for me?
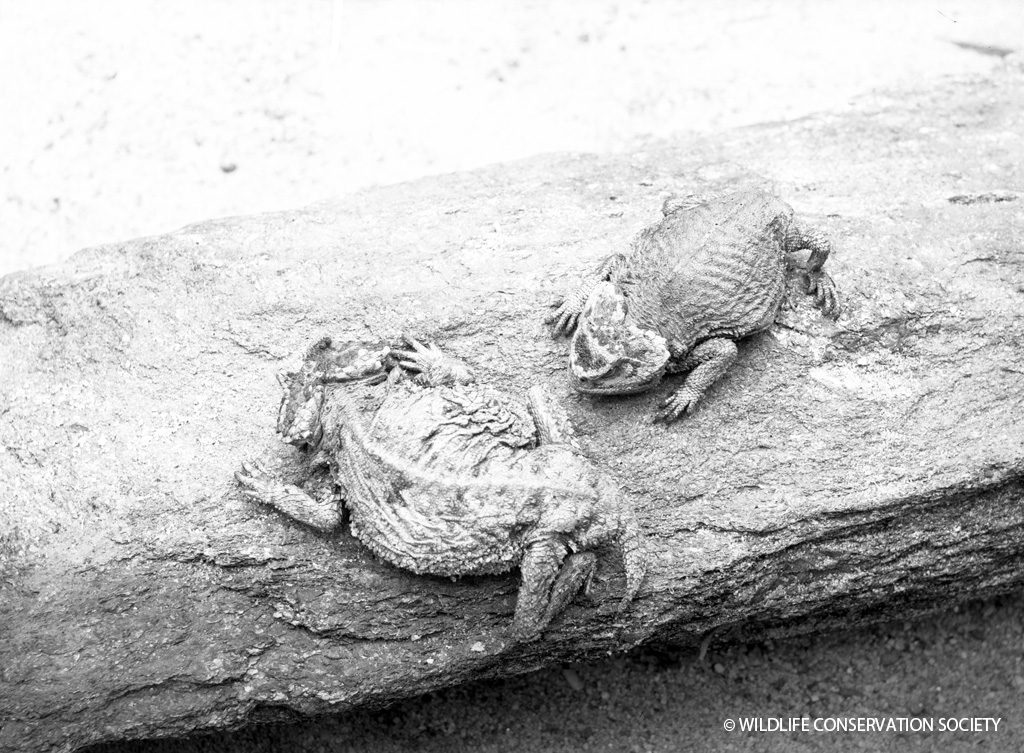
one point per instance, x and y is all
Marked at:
(821, 286)
(557, 305)
(249, 482)
(254, 478)
(521, 632)
(682, 401)
(668, 412)
(565, 323)
(832, 306)
(254, 469)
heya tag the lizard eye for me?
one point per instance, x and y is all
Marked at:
(626, 369)
(588, 353)
(611, 369)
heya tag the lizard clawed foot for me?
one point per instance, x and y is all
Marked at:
(821, 286)
(431, 365)
(255, 480)
(564, 317)
(683, 400)
(587, 591)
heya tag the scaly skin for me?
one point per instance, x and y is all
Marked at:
(450, 478)
(711, 272)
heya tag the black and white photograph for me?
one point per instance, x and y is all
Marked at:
(458, 376)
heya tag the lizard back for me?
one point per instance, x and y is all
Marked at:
(414, 508)
(709, 270)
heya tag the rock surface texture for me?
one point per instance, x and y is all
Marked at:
(844, 471)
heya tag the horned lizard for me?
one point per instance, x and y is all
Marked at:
(449, 477)
(710, 272)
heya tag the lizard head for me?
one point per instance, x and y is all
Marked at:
(323, 363)
(610, 354)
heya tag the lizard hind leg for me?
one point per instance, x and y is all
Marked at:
(575, 576)
(550, 580)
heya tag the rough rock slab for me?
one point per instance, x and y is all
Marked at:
(839, 472)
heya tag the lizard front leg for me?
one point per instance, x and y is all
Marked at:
(432, 367)
(569, 308)
(706, 363)
(819, 283)
(321, 511)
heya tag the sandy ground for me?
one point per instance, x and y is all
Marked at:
(132, 118)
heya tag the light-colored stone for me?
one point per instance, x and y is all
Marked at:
(837, 474)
